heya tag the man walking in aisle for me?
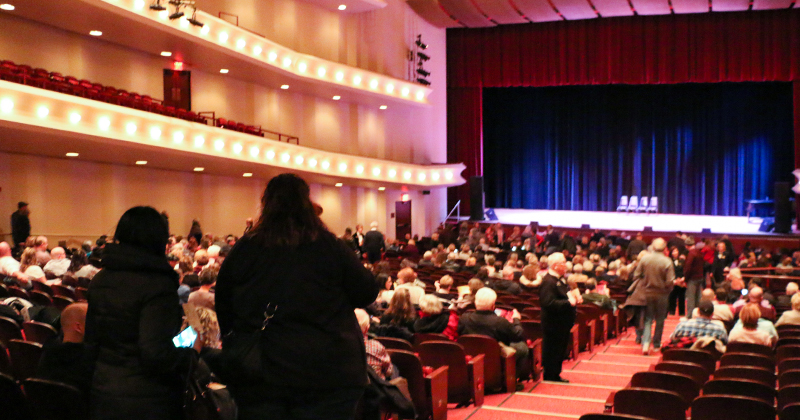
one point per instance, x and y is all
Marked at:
(657, 275)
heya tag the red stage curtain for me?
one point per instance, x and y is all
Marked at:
(701, 48)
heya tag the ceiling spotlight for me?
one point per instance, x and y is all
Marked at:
(338, 184)
(7, 7)
(422, 72)
(420, 44)
(95, 33)
(193, 20)
(423, 81)
(141, 162)
(72, 154)
(342, 7)
(223, 71)
(166, 54)
(247, 174)
(423, 56)
(157, 6)
(199, 169)
(337, 97)
(381, 188)
(284, 87)
(177, 15)
(383, 107)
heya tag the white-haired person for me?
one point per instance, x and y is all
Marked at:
(434, 318)
(377, 357)
(374, 243)
(558, 316)
(791, 317)
(485, 321)
(656, 274)
(786, 300)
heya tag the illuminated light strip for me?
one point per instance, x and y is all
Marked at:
(214, 26)
(25, 100)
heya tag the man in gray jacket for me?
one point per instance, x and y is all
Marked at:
(656, 275)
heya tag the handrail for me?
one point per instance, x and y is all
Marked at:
(457, 209)
(237, 23)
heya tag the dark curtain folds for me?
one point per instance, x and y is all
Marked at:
(701, 148)
(465, 128)
(640, 50)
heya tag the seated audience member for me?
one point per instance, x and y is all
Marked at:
(486, 322)
(753, 328)
(67, 361)
(200, 260)
(213, 254)
(785, 267)
(27, 264)
(435, 319)
(791, 317)
(443, 288)
(767, 296)
(599, 299)
(377, 357)
(385, 283)
(756, 296)
(427, 259)
(401, 311)
(786, 300)
(188, 281)
(470, 266)
(698, 327)
(204, 297)
(80, 267)
(530, 275)
(499, 284)
(469, 299)
(59, 265)
(411, 251)
(722, 311)
(10, 268)
(42, 255)
(407, 279)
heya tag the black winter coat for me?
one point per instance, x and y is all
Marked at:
(557, 313)
(313, 339)
(133, 315)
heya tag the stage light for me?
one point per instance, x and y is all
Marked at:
(423, 81)
(383, 107)
(237, 148)
(166, 54)
(448, 175)
(130, 128)
(72, 154)
(284, 87)
(301, 67)
(338, 184)
(177, 137)
(376, 171)
(407, 175)
(199, 169)
(240, 44)
(193, 20)
(157, 6)
(95, 33)
(141, 162)
(177, 15)
(42, 112)
(7, 7)
(312, 163)
(422, 72)
(423, 56)
(359, 169)
(104, 123)
(435, 176)
(337, 97)
(356, 80)
(272, 56)
(381, 188)
(321, 71)
(74, 118)
(392, 173)
(326, 165)
(138, 4)
(257, 50)
(6, 105)
(254, 151)
(247, 174)
(339, 76)
(223, 37)
(373, 84)
(205, 29)
(420, 44)
(404, 92)
(270, 154)
(342, 167)
(389, 88)
(285, 157)
(199, 141)
(219, 145)
(421, 177)
(298, 160)
(155, 133)
(184, 22)
(342, 7)
(420, 95)
(287, 62)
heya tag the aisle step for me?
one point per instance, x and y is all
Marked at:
(499, 413)
(554, 404)
(599, 392)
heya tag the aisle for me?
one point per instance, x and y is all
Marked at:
(592, 377)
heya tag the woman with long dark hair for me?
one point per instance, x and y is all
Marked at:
(293, 285)
(133, 315)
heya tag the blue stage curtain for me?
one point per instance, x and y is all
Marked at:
(700, 148)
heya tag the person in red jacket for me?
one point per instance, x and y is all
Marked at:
(693, 273)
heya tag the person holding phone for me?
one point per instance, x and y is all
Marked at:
(132, 319)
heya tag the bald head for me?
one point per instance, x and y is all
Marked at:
(659, 245)
(5, 250)
(58, 253)
(756, 295)
(73, 322)
(708, 295)
(406, 275)
(485, 299)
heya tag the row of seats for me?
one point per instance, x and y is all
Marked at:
(635, 205)
(44, 79)
(40, 399)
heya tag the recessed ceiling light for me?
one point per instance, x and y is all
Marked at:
(199, 169)
(95, 33)
(247, 174)
(338, 184)
(381, 188)
(383, 107)
(223, 71)
(141, 162)
(72, 154)
(166, 54)
(337, 97)
(284, 87)
(7, 7)
(342, 6)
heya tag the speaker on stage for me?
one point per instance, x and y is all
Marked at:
(783, 209)
(476, 198)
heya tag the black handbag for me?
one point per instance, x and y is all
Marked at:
(381, 395)
(204, 400)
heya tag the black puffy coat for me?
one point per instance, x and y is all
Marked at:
(133, 315)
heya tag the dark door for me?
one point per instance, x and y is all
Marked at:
(403, 220)
(178, 89)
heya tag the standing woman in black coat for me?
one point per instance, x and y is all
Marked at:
(133, 315)
(294, 285)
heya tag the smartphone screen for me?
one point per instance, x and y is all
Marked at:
(185, 338)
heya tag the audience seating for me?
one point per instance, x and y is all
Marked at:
(692, 370)
(40, 298)
(15, 291)
(607, 416)
(727, 407)
(25, 357)
(764, 376)
(38, 332)
(586, 330)
(499, 370)
(395, 344)
(600, 322)
(53, 400)
(424, 337)
(790, 412)
(747, 359)
(9, 330)
(789, 364)
(787, 352)
(653, 403)
(12, 400)
(789, 394)
(700, 357)
(789, 377)
(62, 302)
(740, 347)
(742, 387)
(428, 391)
(678, 383)
(785, 341)
(5, 361)
(465, 381)
(43, 287)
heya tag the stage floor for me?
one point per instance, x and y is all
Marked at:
(632, 222)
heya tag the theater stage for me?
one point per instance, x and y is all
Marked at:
(632, 222)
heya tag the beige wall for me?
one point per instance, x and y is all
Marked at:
(83, 199)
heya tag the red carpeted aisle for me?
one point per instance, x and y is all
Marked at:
(593, 376)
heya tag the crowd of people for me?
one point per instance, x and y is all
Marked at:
(288, 313)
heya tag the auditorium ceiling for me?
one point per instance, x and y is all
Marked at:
(488, 13)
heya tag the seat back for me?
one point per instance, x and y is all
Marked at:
(746, 372)
(9, 330)
(5, 361)
(395, 343)
(12, 400)
(655, 403)
(785, 352)
(633, 204)
(534, 312)
(423, 337)
(15, 291)
(739, 347)
(53, 400)
(789, 394)
(446, 353)
(643, 203)
(532, 329)
(410, 368)
(742, 387)
(40, 298)
(653, 204)
(609, 416)
(789, 377)
(42, 287)
(38, 332)
(678, 383)
(693, 370)
(59, 290)
(789, 364)
(747, 359)
(702, 358)
(727, 407)
(790, 412)
(62, 302)
(475, 344)
(25, 357)
(623, 203)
